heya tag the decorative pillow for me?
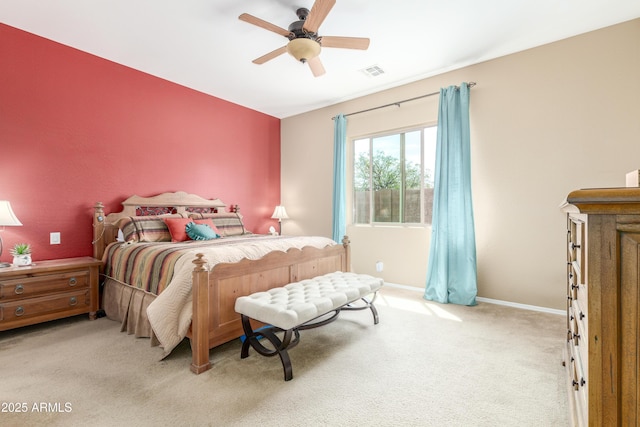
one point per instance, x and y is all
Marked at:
(207, 221)
(200, 231)
(227, 223)
(177, 228)
(145, 229)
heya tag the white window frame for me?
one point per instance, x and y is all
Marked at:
(371, 137)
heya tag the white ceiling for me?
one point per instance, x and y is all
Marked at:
(203, 45)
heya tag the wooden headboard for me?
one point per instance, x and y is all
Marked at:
(105, 227)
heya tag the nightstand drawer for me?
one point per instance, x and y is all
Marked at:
(33, 286)
(68, 303)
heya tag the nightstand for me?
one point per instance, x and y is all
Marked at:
(48, 290)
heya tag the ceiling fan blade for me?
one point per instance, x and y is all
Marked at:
(263, 24)
(345, 42)
(317, 15)
(316, 66)
(269, 56)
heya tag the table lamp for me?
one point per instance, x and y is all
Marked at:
(7, 218)
(280, 213)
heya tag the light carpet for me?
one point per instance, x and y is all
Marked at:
(424, 364)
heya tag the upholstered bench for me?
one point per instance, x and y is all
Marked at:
(302, 305)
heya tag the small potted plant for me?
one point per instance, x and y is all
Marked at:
(21, 254)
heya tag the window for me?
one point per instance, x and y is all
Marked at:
(393, 177)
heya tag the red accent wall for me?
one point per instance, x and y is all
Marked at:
(76, 129)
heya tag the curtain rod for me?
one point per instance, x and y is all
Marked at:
(471, 84)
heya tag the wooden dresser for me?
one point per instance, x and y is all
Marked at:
(603, 310)
(48, 290)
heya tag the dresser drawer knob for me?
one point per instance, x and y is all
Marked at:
(73, 281)
(19, 289)
(582, 316)
(574, 246)
(576, 339)
(73, 301)
(19, 311)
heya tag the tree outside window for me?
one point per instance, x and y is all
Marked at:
(393, 177)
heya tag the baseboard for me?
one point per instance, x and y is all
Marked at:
(490, 301)
(523, 306)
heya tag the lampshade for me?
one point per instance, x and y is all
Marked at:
(280, 213)
(7, 217)
(303, 49)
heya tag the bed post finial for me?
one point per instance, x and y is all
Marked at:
(347, 252)
(199, 262)
(98, 230)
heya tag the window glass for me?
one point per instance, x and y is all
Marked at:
(393, 177)
(386, 176)
(362, 181)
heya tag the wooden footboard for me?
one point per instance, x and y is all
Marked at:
(214, 319)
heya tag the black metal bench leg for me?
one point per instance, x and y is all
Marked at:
(375, 313)
(279, 347)
(284, 356)
(248, 332)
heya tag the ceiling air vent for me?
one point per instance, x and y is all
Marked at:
(373, 71)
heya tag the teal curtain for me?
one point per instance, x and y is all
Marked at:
(452, 269)
(339, 171)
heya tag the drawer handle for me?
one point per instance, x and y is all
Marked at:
(574, 246)
(19, 289)
(574, 287)
(73, 281)
(19, 311)
(73, 301)
(582, 316)
(576, 384)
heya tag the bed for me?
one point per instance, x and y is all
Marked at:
(162, 286)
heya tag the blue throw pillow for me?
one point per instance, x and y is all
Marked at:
(200, 231)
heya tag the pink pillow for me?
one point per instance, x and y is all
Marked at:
(177, 227)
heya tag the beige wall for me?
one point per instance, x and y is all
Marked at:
(543, 122)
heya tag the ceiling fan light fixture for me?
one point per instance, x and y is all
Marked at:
(303, 49)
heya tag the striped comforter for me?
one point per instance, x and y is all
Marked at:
(164, 269)
(150, 265)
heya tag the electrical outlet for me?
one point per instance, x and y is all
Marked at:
(54, 238)
(379, 266)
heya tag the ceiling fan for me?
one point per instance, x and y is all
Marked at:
(304, 40)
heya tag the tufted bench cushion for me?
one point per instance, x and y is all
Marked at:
(300, 302)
